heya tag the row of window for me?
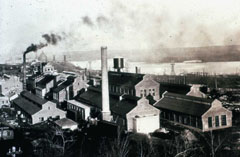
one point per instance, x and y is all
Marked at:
(217, 121)
(5, 102)
(150, 91)
(116, 89)
(73, 107)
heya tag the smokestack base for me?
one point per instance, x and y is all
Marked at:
(106, 116)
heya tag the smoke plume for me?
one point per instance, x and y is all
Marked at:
(87, 21)
(51, 39)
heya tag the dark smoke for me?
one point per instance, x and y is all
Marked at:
(52, 39)
(34, 47)
(102, 20)
(87, 21)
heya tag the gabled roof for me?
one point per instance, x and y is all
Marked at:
(124, 79)
(42, 83)
(184, 104)
(93, 97)
(31, 97)
(62, 86)
(38, 74)
(79, 104)
(174, 88)
(189, 98)
(65, 122)
(27, 106)
(123, 107)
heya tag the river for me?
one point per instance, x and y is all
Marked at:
(161, 68)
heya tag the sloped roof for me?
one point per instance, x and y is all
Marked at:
(27, 106)
(33, 98)
(189, 98)
(93, 97)
(124, 79)
(42, 83)
(63, 85)
(123, 107)
(65, 122)
(184, 104)
(174, 88)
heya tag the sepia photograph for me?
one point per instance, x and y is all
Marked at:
(119, 78)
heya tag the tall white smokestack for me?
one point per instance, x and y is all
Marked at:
(106, 114)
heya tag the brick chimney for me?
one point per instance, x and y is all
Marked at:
(106, 114)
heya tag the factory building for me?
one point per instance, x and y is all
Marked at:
(78, 111)
(44, 85)
(118, 103)
(199, 113)
(139, 85)
(68, 88)
(10, 87)
(33, 109)
(136, 115)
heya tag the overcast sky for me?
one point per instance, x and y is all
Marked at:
(119, 24)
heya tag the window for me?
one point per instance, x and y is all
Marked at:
(216, 121)
(209, 122)
(153, 92)
(145, 92)
(141, 93)
(49, 108)
(224, 120)
(41, 119)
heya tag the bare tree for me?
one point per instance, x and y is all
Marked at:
(214, 140)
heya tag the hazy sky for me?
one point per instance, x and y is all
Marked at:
(119, 24)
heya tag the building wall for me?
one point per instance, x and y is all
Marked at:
(122, 90)
(180, 118)
(80, 112)
(40, 92)
(31, 83)
(48, 110)
(146, 124)
(49, 86)
(4, 100)
(62, 95)
(11, 84)
(215, 111)
(48, 69)
(143, 109)
(79, 83)
(148, 87)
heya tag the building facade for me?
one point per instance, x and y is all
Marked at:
(193, 112)
(217, 117)
(133, 84)
(78, 110)
(148, 87)
(144, 118)
(34, 109)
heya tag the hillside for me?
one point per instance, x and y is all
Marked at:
(65, 66)
(206, 54)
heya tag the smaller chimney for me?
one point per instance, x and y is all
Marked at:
(136, 70)
(54, 59)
